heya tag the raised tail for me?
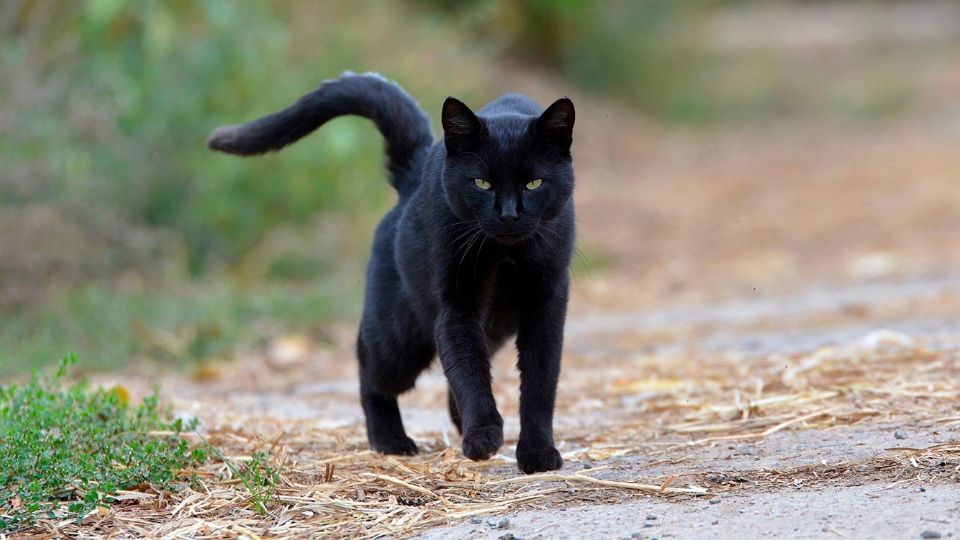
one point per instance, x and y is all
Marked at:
(404, 125)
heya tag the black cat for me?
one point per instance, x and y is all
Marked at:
(476, 250)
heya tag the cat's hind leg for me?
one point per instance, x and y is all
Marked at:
(386, 371)
(384, 425)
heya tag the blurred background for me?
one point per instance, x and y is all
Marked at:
(724, 148)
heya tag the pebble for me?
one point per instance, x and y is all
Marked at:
(715, 500)
(899, 436)
(499, 524)
(922, 489)
(929, 534)
(651, 517)
(476, 521)
(508, 536)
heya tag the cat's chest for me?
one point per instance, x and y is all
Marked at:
(508, 279)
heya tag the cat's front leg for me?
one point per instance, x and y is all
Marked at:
(540, 345)
(466, 362)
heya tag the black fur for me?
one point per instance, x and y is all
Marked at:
(456, 269)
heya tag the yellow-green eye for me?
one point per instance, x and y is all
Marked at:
(482, 184)
(534, 184)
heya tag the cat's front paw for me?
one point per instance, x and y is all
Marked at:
(398, 446)
(483, 442)
(534, 460)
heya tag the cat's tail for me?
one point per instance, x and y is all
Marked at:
(404, 125)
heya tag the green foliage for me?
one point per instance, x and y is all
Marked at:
(65, 451)
(257, 475)
(121, 229)
(126, 105)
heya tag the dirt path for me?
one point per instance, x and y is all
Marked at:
(854, 512)
(829, 411)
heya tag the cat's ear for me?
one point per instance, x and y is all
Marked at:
(460, 125)
(556, 123)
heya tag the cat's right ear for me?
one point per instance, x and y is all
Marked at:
(460, 126)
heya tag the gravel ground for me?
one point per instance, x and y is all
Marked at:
(871, 511)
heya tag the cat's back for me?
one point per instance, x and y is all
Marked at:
(510, 104)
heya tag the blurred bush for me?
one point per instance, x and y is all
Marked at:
(114, 214)
(106, 107)
(706, 62)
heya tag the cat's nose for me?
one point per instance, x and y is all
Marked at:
(508, 212)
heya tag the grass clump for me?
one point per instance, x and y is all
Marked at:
(257, 475)
(64, 451)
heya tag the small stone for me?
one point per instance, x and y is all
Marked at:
(499, 523)
(715, 522)
(648, 524)
(922, 489)
(929, 534)
(715, 500)
(651, 517)
(508, 536)
(476, 521)
(899, 436)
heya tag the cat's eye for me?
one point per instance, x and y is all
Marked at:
(534, 184)
(482, 184)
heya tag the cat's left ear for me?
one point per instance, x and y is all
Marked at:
(460, 126)
(556, 123)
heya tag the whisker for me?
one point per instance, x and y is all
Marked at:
(586, 262)
(473, 239)
(463, 235)
(456, 224)
(477, 258)
(549, 227)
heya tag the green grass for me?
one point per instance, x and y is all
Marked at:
(65, 451)
(257, 476)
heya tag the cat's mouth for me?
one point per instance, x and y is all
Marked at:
(510, 238)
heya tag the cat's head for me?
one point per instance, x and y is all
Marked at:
(508, 173)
